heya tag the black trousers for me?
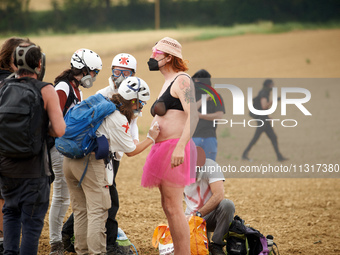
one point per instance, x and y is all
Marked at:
(268, 129)
(111, 223)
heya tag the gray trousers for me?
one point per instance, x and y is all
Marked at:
(218, 221)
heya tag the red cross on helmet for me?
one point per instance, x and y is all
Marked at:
(125, 60)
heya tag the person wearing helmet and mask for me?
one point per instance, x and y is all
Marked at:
(85, 66)
(90, 204)
(123, 65)
(170, 165)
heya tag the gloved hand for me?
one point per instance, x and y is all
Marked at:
(153, 132)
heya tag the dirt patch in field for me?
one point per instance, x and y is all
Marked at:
(301, 213)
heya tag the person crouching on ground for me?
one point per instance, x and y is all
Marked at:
(205, 198)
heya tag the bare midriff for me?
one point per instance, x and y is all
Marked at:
(171, 125)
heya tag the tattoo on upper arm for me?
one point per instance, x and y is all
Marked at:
(188, 95)
(183, 85)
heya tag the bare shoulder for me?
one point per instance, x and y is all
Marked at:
(48, 90)
(49, 95)
(184, 88)
(183, 81)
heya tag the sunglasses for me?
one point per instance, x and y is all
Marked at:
(96, 71)
(155, 52)
(118, 72)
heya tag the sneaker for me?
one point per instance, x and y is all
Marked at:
(216, 249)
(282, 159)
(57, 248)
(245, 157)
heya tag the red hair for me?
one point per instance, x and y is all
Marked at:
(177, 64)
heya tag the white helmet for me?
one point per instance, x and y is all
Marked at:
(134, 87)
(125, 60)
(85, 57)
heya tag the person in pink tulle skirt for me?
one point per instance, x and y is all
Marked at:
(170, 165)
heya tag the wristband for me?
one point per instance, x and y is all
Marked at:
(149, 136)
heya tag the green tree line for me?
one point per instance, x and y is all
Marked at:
(100, 15)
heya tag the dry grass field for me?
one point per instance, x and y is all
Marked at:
(301, 213)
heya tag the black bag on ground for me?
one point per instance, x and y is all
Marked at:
(245, 240)
(22, 118)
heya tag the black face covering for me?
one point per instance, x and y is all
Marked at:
(153, 64)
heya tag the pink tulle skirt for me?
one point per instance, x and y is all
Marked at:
(157, 169)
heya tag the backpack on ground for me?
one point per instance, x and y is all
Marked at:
(82, 122)
(245, 240)
(124, 244)
(23, 119)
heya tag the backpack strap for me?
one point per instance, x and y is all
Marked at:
(12, 75)
(39, 85)
(177, 77)
(278, 253)
(85, 170)
(70, 99)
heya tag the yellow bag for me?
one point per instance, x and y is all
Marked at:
(198, 238)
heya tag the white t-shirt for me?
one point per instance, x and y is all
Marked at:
(198, 193)
(108, 92)
(116, 128)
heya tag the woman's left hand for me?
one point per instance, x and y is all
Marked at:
(177, 157)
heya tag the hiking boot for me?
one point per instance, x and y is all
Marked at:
(68, 245)
(57, 248)
(216, 249)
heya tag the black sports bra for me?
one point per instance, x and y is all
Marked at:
(166, 102)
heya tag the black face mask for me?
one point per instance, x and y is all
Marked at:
(153, 64)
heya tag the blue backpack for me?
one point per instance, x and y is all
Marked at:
(82, 122)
